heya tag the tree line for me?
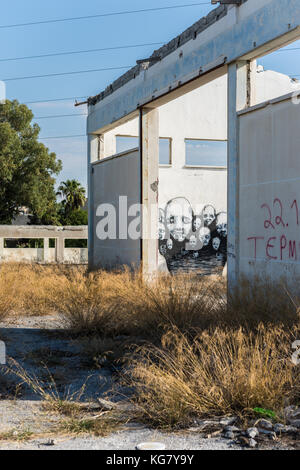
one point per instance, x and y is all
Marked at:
(28, 172)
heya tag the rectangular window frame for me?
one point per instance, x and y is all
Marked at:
(168, 165)
(208, 167)
(163, 165)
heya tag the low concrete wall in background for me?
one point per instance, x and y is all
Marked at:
(44, 255)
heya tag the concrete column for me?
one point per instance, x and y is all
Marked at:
(110, 144)
(178, 153)
(92, 153)
(60, 249)
(239, 97)
(101, 146)
(252, 75)
(46, 250)
(149, 150)
(1, 247)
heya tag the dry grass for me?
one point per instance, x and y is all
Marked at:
(109, 303)
(104, 425)
(25, 288)
(8, 286)
(76, 415)
(63, 402)
(123, 303)
(82, 300)
(16, 435)
(181, 301)
(219, 373)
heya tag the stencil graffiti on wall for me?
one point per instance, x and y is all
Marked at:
(191, 241)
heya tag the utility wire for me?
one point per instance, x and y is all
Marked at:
(62, 137)
(289, 49)
(66, 73)
(103, 15)
(103, 49)
(60, 116)
(56, 99)
(54, 54)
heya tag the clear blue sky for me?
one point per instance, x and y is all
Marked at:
(139, 28)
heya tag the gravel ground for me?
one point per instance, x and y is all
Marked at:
(128, 440)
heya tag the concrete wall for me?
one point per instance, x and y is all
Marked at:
(111, 177)
(59, 254)
(269, 218)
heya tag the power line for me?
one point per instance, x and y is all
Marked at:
(103, 15)
(103, 49)
(56, 99)
(60, 116)
(62, 137)
(66, 73)
(55, 54)
(289, 49)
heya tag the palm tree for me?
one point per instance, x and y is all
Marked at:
(73, 195)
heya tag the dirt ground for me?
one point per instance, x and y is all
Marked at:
(41, 348)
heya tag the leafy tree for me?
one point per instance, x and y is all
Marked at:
(76, 217)
(73, 199)
(27, 168)
(73, 195)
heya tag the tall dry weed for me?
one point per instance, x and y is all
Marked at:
(123, 302)
(116, 303)
(183, 301)
(220, 372)
(82, 300)
(260, 300)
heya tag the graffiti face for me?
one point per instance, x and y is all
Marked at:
(209, 215)
(161, 231)
(204, 236)
(179, 216)
(163, 249)
(169, 244)
(197, 223)
(216, 243)
(222, 224)
(193, 241)
(161, 216)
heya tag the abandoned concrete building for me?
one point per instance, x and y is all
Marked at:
(195, 127)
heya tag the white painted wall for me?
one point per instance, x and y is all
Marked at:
(269, 186)
(270, 84)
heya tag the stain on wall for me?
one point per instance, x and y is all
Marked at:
(192, 241)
